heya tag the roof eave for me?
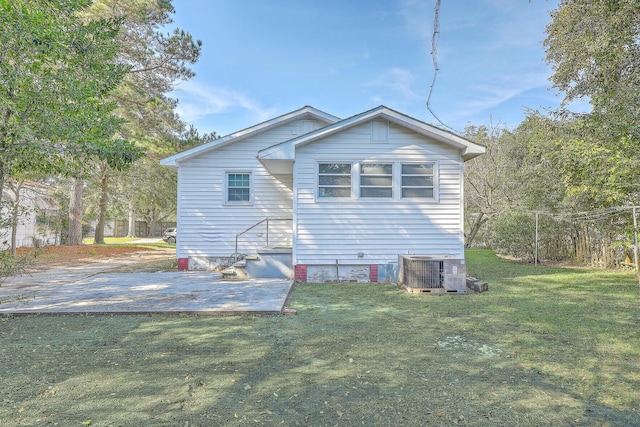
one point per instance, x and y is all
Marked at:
(278, 166)
(286, 150)
(175, 160)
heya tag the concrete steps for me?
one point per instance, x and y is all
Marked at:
(267, 263)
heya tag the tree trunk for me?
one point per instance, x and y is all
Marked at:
(480, 220)
(104, 197)
(15, 213)
(75, 213)
(1, 181)
(153, 223)
(132, 219)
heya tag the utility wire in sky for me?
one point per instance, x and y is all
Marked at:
(434, 56)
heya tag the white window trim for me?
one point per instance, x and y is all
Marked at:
(396, 188)
(226, 188)
(436, 186)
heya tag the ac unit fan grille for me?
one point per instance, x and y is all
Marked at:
(422, 273)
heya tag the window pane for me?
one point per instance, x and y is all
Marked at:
(238, 194)
(334, 192)
(417, 181)
(376, 192)
(238, 180)
(377, 169)
(378, 181)
(238, 187)
(335, 180)
(425, 169)
(335, 168)
(417, 192)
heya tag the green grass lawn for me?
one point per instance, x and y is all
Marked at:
(544, 347)
(107, 240)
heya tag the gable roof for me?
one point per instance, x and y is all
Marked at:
(285, 151)
(304, 112)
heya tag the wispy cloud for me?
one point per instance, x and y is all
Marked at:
(198, 100)
(490, 94)
(398, 81)
(418, 18)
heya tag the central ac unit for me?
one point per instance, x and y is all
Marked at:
(431, 274)
(418, 271)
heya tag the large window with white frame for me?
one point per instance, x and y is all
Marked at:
(334, 180)
(238, 187)
(417, 180)
(376, 180)
(379, 180)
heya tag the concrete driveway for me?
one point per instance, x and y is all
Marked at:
(93, 288)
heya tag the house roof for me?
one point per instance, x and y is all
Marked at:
(304, 112)
(285, 151)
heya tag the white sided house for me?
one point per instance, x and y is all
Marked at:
(310, 196)
(28, 215)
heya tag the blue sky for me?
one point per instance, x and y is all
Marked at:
(264, 58)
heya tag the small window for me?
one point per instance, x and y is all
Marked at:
(334, 180)
(417, 181)
(238, 187)
(376, 180)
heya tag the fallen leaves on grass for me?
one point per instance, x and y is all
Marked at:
(51, 256)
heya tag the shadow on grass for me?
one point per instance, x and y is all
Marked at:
(355, 355)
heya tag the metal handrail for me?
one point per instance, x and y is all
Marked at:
(254, 226)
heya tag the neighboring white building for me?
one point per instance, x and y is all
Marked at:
(344, 198)
(35, 206)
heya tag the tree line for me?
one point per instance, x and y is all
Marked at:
(85, 106)
(564, 163)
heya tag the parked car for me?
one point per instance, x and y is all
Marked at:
(169, 235)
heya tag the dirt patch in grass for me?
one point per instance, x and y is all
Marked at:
(54, 256)
(70, 256)
(544, 347)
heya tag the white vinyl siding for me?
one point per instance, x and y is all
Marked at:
(207, 222)
(379, 228)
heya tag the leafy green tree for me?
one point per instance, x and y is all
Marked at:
(594, 49)
(513, 233)
(157, 61)
(57, 73)
(488, 189)
(533, 156)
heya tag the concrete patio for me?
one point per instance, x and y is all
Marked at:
(92, 290)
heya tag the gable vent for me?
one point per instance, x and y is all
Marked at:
(379, 131)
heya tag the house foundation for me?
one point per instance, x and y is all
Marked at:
(361, 273)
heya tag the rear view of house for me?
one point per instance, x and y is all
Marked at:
(311, 196)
